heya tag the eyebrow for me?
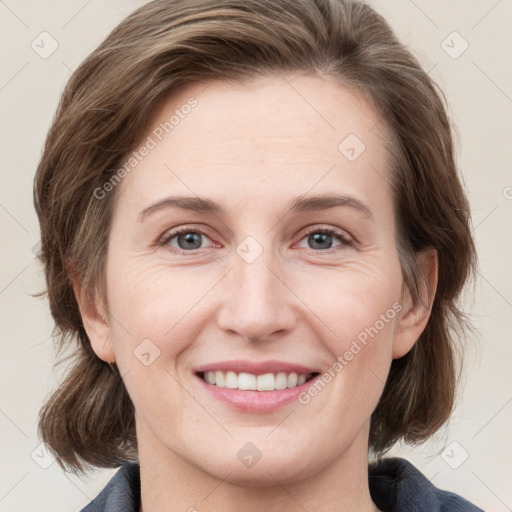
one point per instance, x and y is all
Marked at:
(300, 204)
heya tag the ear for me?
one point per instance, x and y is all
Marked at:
(94, 317)
(415, 314)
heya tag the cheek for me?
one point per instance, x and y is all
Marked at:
(362, 352)
(154, 320)
(358, 310)
(155, 307)
(359, 302)
(360, 358)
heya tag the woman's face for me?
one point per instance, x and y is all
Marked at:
(286, 265)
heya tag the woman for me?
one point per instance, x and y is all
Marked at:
(252, 221)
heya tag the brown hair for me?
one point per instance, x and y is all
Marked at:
(103, 113)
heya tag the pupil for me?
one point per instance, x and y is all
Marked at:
(189, 238)
(318, 238)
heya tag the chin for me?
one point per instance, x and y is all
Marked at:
(262, 474)
(268, 467)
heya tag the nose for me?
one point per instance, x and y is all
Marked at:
(257, 304)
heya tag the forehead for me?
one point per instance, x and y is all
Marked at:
(287, 105)
(267, 137)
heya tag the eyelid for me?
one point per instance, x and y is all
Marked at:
(345, 239)
(342, 234)
(174, 232)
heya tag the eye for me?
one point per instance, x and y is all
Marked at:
(185, 239)
(321, 239)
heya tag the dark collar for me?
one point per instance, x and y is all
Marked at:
(395, 486)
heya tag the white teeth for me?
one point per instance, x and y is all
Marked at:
(266, 382)
(292, 380)
(219, 377)
(248, 381)
(282, 381)
(231, 380)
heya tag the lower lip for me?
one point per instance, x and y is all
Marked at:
(257, 401)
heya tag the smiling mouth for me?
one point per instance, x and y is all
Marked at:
(250, 382)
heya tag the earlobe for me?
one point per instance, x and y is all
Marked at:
(94, 318)
(415, 313)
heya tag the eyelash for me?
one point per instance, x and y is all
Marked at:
(344, 239)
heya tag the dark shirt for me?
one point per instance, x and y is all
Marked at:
(395, 486)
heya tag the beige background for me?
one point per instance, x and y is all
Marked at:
(478, 85)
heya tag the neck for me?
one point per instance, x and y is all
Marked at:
(170, 483)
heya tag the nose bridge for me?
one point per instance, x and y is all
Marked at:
(257, 303)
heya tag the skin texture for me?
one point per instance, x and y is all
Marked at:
(252, 149)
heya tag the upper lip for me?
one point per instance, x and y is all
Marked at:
(256, 368)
